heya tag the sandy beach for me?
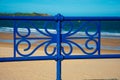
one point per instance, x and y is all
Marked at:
(100, 69)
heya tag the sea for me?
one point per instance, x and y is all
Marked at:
(109, 29)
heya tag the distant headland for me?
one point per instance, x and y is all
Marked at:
(24, 14)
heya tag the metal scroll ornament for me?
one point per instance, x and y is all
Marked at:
(25, 39)
(51, 38)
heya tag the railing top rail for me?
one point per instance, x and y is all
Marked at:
(67, 18)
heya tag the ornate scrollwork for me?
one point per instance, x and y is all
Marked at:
(23, 39)
(29, 46)
(89, 38)
(70, 48)
(64, 38)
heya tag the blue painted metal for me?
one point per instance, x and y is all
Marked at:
(52, 18)
(58, 54)
(58, 19)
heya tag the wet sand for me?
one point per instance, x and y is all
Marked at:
(108, 69)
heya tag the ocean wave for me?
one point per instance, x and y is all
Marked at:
(33, 30)
(6, 29)
(23, 30)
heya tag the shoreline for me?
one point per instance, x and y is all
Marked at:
(106, 43)
(82, 33)
(108, 46)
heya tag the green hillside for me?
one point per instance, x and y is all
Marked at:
(24, 14)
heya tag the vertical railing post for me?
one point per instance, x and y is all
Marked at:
(99, 36)
(14, 38)
(59, 58)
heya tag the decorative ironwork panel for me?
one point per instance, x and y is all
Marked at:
(44, 37)
(68, 37)
(69, 33)
(78, 32)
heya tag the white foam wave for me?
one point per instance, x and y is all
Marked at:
(23, 30)
(6, 29)
(109, 34)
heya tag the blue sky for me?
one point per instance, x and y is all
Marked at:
(65, 7)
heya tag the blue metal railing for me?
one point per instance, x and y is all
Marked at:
(58, 39)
